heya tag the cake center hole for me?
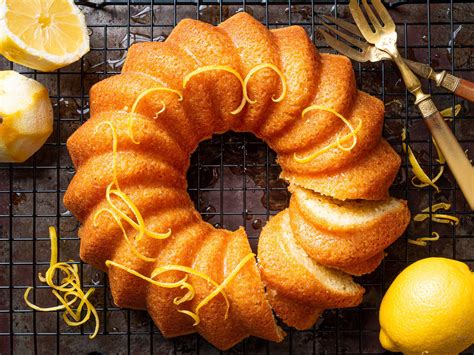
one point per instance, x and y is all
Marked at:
(233, 181)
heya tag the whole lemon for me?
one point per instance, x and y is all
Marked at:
(26, 116)
(429, 308)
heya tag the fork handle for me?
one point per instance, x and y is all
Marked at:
(465, 90)
(457, 160)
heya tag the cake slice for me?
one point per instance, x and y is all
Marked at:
(288, 269)
(326, 231)
(293, 313)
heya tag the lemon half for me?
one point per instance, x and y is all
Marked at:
(42, 34)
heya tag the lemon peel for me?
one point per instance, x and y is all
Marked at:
(183, 284)
(124, 233)
(224, 283)
(140, 97)
(261, 67)
(70, 286)
(225, 68)
(448, 112)
(437, 217)
(117, 213)
(339, 140)
(418, 170)
(422, 241)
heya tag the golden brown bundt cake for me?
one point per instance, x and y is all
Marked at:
(139, 224)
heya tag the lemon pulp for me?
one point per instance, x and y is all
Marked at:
(42, 34)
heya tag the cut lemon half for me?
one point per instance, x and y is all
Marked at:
(42, 34)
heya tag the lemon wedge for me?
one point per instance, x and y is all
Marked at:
(26, 117)
(42, 34)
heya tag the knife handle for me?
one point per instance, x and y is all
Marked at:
(457, 160)
(465, 90)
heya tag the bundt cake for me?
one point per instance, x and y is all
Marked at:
(139, 224)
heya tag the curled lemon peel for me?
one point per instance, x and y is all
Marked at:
(137, 102)
(224, 68)
(338, 143)
(448, 112)
(68, 292)
(118, 214)
(114, 150)
(224, 283)
(423, 241)
(202, 275)
(417, 169)
(258, 68)
(124, 233)
(140, 224)
(437, 217)
(183, 284)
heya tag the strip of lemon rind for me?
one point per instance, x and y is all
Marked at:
(418, 170)
(423, 241)
(124, 233)
(70, 286)
(437, 217)
(183, 284)
(339, 140)
(258, 68)
(137, 102)
(448, 112)
(224, 283)
(140, 224)
(225, 68)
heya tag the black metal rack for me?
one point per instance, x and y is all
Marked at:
(233, 178)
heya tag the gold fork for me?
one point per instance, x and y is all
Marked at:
(382, 34)
(368, 52)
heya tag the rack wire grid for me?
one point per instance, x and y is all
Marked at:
(233, 178)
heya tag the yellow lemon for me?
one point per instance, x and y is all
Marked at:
(42, 34)
(26, 116)
(429, 309)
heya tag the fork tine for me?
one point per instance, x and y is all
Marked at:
(384, 15)
(344, 24)
(359, 44)
(375, 21)
(342, 47)
(361, 22)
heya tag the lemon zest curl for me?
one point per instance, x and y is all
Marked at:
(258, 68)
(338, 143)
(139, 225)
(437, 217)
(423, 241)
(223, 68)
(68, 292)
(185, 285)
(137, 102)
(418, 170)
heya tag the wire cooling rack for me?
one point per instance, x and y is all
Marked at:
(233, 178)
